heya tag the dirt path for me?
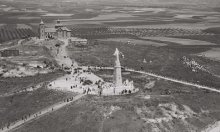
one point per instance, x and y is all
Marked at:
(40, 113)
(177, 81)
(62, 58)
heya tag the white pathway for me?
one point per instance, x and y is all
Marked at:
(40, 113)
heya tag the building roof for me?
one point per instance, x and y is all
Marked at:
(50, 30)
(58, 26)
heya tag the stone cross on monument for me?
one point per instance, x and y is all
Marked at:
(117, 70)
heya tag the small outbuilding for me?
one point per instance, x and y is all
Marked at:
(73, 41)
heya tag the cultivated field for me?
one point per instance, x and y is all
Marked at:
(133, 41)
(11, 32)
(16, 107)
(180, 41)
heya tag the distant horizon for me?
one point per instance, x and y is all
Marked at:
(214, 3)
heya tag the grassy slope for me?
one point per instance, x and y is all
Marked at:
(15, 84)
(165, 61)
(87, 114)
(76, 118)
(15, 107)
(199, 99)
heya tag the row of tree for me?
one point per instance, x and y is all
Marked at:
(139, 32)
(21, 33)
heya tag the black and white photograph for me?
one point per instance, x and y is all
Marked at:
(109, 65)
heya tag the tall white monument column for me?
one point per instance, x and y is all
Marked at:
(117, 70)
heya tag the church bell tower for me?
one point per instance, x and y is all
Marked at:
(41, 30)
